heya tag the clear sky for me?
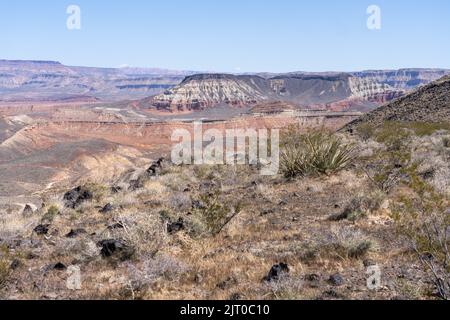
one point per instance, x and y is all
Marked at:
(230, 35)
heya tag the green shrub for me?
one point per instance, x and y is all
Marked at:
(315, 153)
(214, 214)
(5, 270)
(422, 129)
(360, 207)
(51, 213)
(365, 131)
(423, 219)
(395, 134)
(98, 191)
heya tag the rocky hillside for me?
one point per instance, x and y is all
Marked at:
(50, 81)
(404, 79)
(430, 103)
(326, 90)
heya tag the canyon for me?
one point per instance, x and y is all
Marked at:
(61, 124)
(361, 91)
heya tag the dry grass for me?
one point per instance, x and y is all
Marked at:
(219, 254)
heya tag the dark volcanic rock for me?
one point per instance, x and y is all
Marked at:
(116, 189)
(28, 210)
(197, 204)
(336, 280)
(77, 196)
(116, 248)
(41, 229)
(156, 167)
(175, 226)
(276, 271)
(15, 264)
(107, 208)
(59, 266)
(118, 225)
(75, 233)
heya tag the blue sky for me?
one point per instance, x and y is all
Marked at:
(230, 36)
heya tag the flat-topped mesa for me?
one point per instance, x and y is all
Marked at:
(203, 91)
(29, 62)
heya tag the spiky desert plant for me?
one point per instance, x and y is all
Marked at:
(317, 152)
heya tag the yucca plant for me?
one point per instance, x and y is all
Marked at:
(318, 152)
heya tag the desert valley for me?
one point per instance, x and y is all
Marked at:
(86, 183)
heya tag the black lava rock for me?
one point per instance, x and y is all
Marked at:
(28, 210)
(175, 226)
(276, 271)
(41, 229)
(75, 233)
(15, 264)
(155, 168)
(197, 204)
(77, 196)
(116, 189)
(59, 266)
(107, 208)
(336, 280)
(115, 226)
(118, 248)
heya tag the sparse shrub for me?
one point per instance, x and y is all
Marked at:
(153, 269)
(360, 206)
(315, 153)
(51, 213)
(393, 135)
(446, 142)
(214, 214)
(144, 231)
(345, 243)
(365, 131)
(427, 128)
(204, 172)
(359, 250)
(387, 168)
(338, 243)
(286, 288)
(5, 270)
(423, 218)
(99, 191)
(180, 201)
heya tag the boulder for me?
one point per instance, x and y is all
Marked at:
(117, 225)
(15, 264)
(276, 271)
(116, 189)
(42, 229)
(175, 226)
(116, 248)
(156, 168)
(27, 211)
(77, 196)
(107, 208)
(336, 280)
(75, 233)
(59, 266)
